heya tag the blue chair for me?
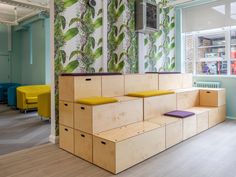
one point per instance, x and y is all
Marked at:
(3, 91)
(11, 95)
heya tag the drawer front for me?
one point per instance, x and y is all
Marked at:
(208, 98)
(116, 115)
(104, 154)
(140, 82)
(189, 127)
(157, 106)
(186, 100)
(174, 133)
(87, 87)
(222, 114)
(84, 145)
(170, 81)
(66, 139)
(83, 118)
(66, 113)
(66, 88)
(113, 86)
(202, 122)
(213, 117)
(139, 148)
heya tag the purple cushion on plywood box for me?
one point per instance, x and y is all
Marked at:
(179, 114)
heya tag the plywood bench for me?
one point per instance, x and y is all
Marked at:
(173, 128)
(98, 118)
(121, 148)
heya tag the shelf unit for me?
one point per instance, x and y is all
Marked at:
(213, 52)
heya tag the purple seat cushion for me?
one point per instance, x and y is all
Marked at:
(179, 114)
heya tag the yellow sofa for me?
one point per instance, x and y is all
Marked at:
(44, 105)
(27, 96)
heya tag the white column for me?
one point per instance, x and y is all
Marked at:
(141, 53)
(52, 137)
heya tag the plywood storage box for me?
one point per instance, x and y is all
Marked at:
(140, 82)
(83, 145)
(213, 116)
(95, 119)
(121, 148)
(187, 80)
(222, 113)
(170, 81)
(212, 97)
(173, 127)
(189, 127)
(156, 106)
(72, 88)
(66, 140)
(187, 98)
(202, 115)
(66, 113)
(113, 86)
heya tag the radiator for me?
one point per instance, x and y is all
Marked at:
(207, 84)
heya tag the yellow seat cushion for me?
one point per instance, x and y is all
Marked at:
(150, 93)
(31, 100)
(97, 100)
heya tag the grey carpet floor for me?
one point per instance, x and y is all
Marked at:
(20, 131)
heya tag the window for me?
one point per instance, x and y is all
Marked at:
(209, 38)
(211, 52)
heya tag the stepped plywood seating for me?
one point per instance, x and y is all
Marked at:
(116, 121)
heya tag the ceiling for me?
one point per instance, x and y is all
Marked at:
(14, 11)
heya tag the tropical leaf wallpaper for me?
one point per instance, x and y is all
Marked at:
(160, 47)
(122, 38)
(78, 26)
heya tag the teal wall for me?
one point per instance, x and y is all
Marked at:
(4, 55)
(30, 55)
(230, 84)
(33, 54)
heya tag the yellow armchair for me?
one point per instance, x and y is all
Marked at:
(27, 96)
(44, 105)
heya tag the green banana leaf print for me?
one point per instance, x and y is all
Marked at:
(160, 55)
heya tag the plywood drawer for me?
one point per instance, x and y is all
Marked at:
(66, 113)
(170, 81)
(202, 122)
(95, 119)
(174, 129)
(158, 105)
(87, 86)
(212, 97)
(140, 82)
(84, 145)
(189, 127)
(72, 88)
(213, 116)
(202, 115)
(113, 86)
(66, 88)
(222, 114)
(119, 149)
(66, 139)
(187, 99)
(187, 80)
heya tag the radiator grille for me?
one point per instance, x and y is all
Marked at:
(207, 84)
